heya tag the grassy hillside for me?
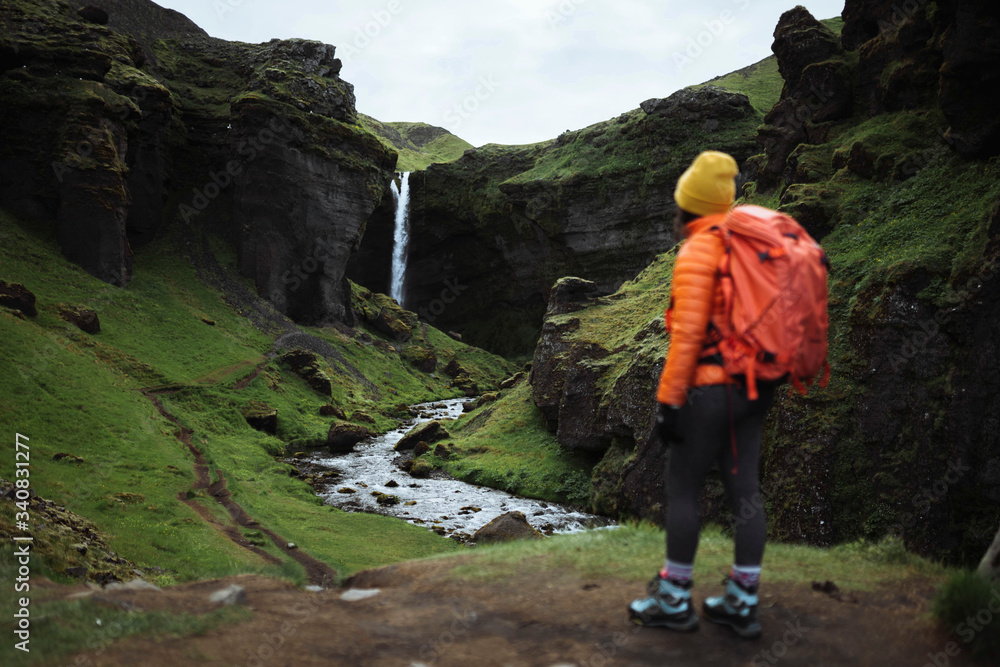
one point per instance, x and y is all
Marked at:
(79, 394)
(418, 144)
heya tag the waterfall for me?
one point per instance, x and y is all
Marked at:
(400, 236)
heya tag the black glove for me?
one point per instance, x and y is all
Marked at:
(668, 424)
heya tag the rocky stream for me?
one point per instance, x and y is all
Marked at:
(368, 480)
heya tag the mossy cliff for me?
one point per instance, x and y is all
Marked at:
(506, 221)
(904, 194)
(122, 128)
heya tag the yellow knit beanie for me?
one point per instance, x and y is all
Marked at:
(708, 186)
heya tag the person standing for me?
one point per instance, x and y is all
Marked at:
(706, 416)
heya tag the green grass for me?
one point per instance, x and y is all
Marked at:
(79, 393)
(62, 627)
(966, 604)
(407, 140)
(761, 82)
(598, 151)
(938, 220)
(634, 552)
(505, 445)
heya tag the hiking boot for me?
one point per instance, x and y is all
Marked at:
(737, 608)
(668, 605)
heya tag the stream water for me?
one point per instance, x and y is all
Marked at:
(443, 504)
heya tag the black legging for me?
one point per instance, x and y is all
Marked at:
(705, 424)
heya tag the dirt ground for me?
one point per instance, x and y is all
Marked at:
(423, 616)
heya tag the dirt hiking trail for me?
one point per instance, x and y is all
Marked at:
(423, 615)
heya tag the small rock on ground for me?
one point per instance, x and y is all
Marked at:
(229, 595)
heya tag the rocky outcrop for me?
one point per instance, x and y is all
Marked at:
(74, 546)
(261, 417)
(343, 437)
(817, 89)
(428, 432)
(85, 319)
(17, 297)
(298, 230)
(970, 77)
(492, 232)
(121, 129)
(891, 57)
(308, 366)
(371, 265)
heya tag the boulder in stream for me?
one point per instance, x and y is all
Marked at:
(506, 527)
(343, 437)
(428, 432)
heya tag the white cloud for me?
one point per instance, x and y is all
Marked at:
(512, 71)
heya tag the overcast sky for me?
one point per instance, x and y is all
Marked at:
(512, 71)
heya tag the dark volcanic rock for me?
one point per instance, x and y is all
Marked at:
(427, 432)
(300, 230)
(801, 41)
(18, 297)
(920, 54)
(700, 105)
(343, 437)
(307, 366)
(85, 318)
(261, 417)
(818, 89)
(505, 528)
(970, 78)
(570, 293)
(331, 410)
(371, 264)
(93, 14)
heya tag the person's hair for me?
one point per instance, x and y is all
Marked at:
(681, 219)
(685, 217)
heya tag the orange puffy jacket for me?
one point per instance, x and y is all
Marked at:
(697, 299)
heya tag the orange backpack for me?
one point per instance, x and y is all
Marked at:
(774, 282)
